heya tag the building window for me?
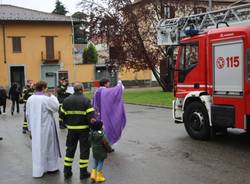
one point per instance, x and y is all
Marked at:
(16, 44)
(169, 11)
(198, 10)
(248, 64)
(49, 47)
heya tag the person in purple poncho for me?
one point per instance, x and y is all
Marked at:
(109, 107)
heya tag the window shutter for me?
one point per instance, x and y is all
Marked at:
(16, 44)
(50, 47)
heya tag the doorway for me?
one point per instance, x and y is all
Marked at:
(17, 75)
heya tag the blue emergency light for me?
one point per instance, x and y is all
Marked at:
(191, 32)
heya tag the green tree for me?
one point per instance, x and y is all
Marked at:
(85, 55)
(92, 54)
(60, 8)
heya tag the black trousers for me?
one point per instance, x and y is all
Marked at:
(73, 137)
(4, 107)
(25, 122)
(14, 101)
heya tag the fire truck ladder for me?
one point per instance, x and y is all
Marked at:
(170, 31)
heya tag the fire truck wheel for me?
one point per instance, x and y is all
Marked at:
(196, 121)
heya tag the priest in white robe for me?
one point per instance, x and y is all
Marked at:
(45, 144)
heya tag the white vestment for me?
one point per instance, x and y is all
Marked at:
(45, 144)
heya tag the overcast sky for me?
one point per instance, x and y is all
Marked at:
(43, 5)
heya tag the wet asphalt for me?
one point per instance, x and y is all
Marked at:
(153, 150)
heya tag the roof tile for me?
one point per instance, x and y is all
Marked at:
(14, 13)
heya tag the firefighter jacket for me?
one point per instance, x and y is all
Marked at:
(61, 93)
(100, 145)
(76, 112)
(27, 92)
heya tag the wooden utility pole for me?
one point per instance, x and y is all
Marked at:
(210, 5)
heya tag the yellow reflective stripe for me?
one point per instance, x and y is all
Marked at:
(77, 112)
(83, 166)
(84, 161)
(62, 110)
(74, 112)
(25, 126)
(68, 159)
(67, 164)
(77, 127)
(90, 110)
(60, 119)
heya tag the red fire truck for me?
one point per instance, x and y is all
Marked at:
(212, 70)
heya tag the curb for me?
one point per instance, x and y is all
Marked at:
(149, 105)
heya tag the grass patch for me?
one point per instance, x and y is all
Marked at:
(146, 96)
(149, 97)
(88, 94)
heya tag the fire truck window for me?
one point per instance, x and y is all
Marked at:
(188, 61)
(248, 64)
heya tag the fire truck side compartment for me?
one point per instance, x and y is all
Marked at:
(223, 116)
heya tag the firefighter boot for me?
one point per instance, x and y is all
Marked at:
(93, 175)
(67, 172)
(84, 174)
(100, 177)
(25, 127)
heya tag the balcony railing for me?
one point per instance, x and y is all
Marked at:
(55, 59)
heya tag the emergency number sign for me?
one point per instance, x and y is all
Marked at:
(228, 66)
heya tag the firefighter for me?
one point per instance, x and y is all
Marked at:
(61, 95)
(27, 92)
(77, 113)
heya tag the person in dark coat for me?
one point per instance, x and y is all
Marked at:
(77, 113)
(28, 91)
(100, 148)
(14, 95)
(61, 95)
(3, 99)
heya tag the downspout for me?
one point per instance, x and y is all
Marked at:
(4, 44)
(73, 43)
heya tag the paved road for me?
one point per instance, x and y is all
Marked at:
(153, 150)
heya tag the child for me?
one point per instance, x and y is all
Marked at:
(100, 148)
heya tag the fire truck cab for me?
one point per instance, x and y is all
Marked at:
(212, 81)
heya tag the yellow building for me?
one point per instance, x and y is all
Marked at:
(38, 46)
(34, 45)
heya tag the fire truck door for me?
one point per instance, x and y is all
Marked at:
(191, 68)
(228, 68)
(228, 81)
